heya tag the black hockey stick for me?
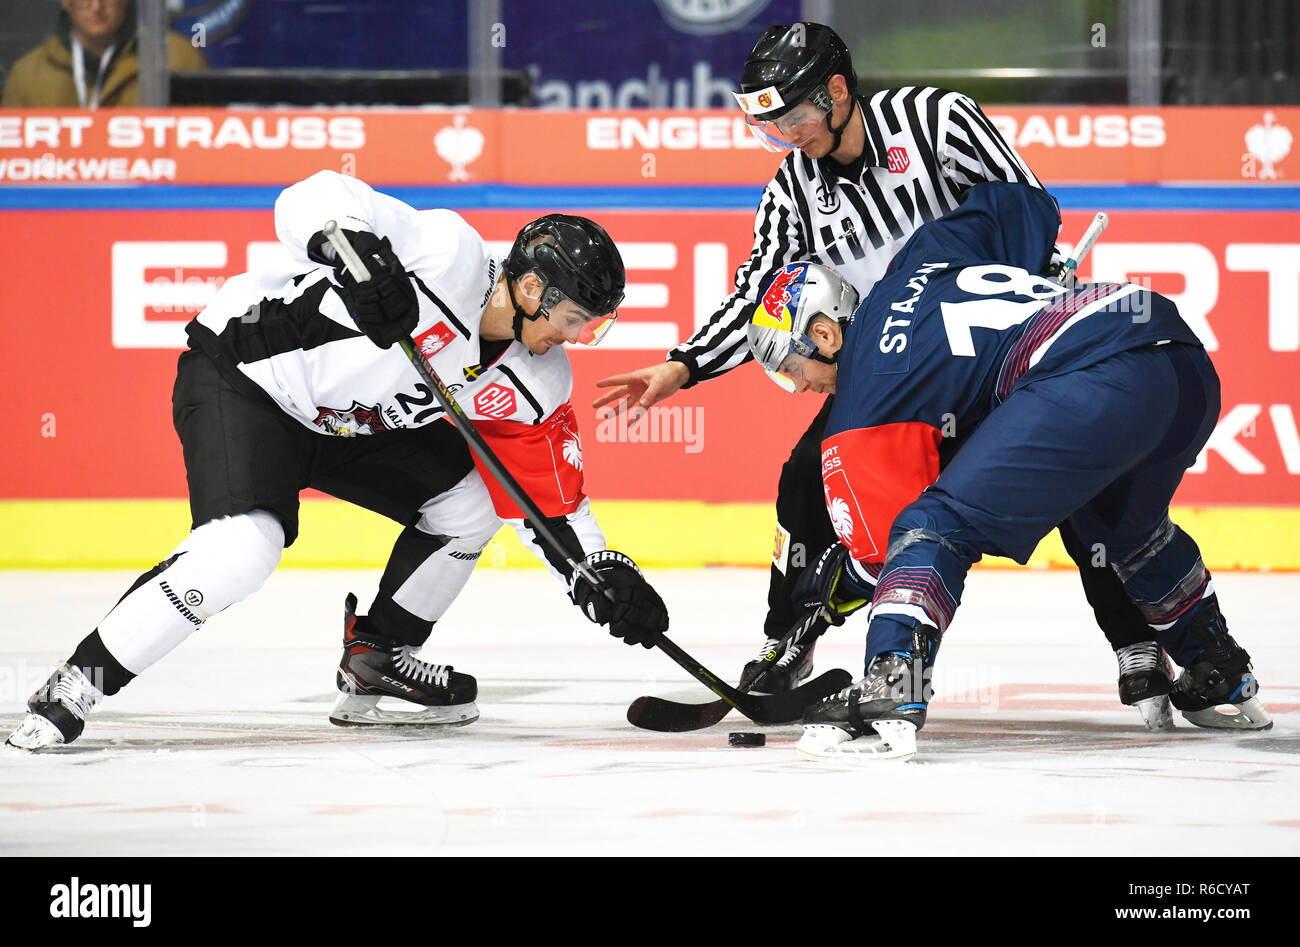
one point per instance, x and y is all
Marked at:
(670, 716)
(749, 706)
(535, 517)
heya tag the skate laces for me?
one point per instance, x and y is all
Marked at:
(74, 691)
(790, 657)
(422, 671)
(1136, 658)
(768, 645)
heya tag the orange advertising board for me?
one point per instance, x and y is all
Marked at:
(1246, 145)
(89, 361)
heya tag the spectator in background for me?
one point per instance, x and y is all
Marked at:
(91, 61)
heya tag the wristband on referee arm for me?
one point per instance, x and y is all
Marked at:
(692, 367)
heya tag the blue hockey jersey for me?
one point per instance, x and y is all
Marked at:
(958, 324)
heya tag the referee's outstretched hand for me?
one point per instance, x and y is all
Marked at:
(636, 391)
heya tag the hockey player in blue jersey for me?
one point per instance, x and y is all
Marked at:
(977, 406)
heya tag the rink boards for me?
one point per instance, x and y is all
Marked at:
(93, 364)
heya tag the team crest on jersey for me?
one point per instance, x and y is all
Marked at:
(779, 304)
(572, 450)
(898, 160)
(435, 340)
(843, 507)
(349, 422)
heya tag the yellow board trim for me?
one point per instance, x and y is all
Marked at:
(133, 534)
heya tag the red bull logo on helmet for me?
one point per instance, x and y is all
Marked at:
(781, 300)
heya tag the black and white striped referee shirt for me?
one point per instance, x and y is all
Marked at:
(924, 148)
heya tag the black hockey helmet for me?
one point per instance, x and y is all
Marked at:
(790, 65)
(576, 260)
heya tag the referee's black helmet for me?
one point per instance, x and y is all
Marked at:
(797, 61)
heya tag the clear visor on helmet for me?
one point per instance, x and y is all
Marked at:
(574, 322)
(787, 382)
(789, 131)
(788, 371)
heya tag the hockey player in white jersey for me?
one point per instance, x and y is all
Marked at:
(292, 381)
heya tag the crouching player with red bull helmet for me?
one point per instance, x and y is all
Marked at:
(292, 380)
(977, 406)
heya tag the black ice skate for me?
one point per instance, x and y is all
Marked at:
(383, 683)
(1145, 680)
(879, 715)
(1220, 675)
(57, 712)
(783, 674)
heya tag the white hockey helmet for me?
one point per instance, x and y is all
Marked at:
(789, 301)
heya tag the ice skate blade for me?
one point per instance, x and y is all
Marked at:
(35, 733)
(1250, 715)
(362, 711)
(896, 740)
(1156, 712)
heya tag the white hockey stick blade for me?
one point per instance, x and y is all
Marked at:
(896, 740)
(356, 710)
(1156, 713)
(1250, 715)
(1068, 271)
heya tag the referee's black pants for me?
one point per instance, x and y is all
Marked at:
(801, 511)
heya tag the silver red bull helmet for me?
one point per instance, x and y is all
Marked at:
(791, 298)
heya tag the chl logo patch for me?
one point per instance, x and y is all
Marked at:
(495, 401)
(898, 160)
(435, 340)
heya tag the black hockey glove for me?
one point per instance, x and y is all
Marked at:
(636, 614)
(827, 585)
(384, 307)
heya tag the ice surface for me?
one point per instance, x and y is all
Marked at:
(223, 748)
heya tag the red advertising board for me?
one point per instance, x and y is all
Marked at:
(1064, 145)
(95, 300)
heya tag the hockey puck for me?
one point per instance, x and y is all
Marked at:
(746, 739)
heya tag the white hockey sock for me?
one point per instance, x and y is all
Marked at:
(222, 562)
(465, 517)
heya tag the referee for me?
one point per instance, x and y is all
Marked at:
(860, 177)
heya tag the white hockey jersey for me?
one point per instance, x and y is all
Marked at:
(290, 334)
